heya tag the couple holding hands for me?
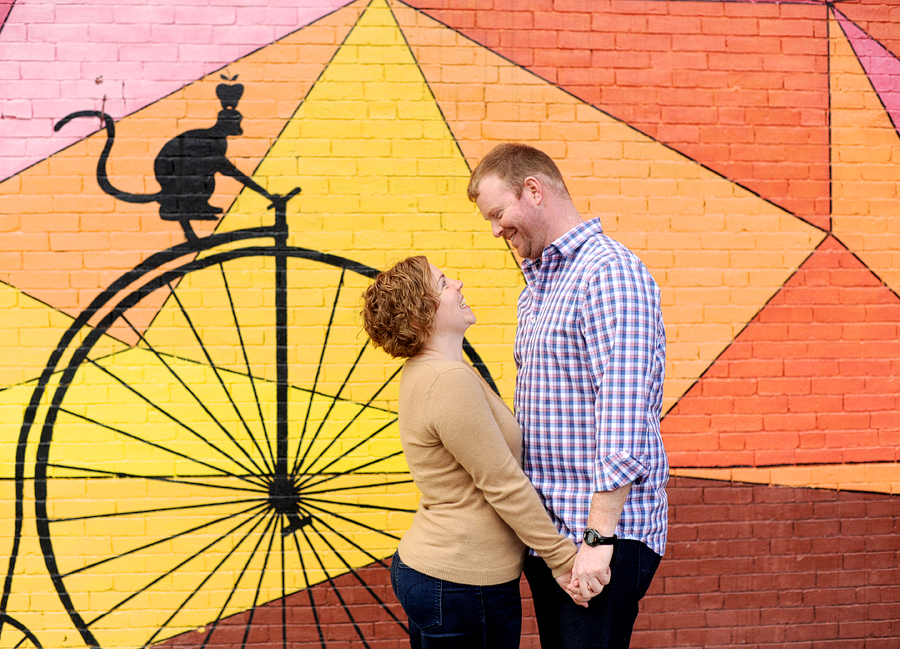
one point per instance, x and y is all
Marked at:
(572, 487)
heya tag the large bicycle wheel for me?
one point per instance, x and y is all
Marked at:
(244, 449)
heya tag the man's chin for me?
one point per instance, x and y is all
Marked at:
(522, 251)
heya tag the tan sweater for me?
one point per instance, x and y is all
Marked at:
(478, 510)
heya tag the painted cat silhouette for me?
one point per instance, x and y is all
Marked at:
(186, 166)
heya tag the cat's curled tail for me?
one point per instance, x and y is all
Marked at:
(102, 177)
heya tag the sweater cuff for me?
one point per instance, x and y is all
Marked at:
(564, 568)
(564, 553)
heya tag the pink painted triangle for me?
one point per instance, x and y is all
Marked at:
(56, 58)
(879, 63)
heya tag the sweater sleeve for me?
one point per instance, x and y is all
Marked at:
(460, 414)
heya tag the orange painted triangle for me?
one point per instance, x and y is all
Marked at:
(698, 96)
(813, 379)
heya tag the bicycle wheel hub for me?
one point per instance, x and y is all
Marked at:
(283, 495)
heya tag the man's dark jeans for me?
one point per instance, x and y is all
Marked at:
(446, 615)
(609, 619)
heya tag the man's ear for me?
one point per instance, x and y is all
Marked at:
(533, 190)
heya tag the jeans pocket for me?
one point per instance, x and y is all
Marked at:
(648, 563)
(419, 595)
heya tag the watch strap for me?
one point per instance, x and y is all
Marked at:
(593, 538)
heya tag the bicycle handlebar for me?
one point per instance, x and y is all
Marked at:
(281, 201)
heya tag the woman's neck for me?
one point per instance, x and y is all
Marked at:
(444, 349)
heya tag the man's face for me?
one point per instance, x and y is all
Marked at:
(518, 220)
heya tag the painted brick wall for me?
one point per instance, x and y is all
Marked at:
(201, 449)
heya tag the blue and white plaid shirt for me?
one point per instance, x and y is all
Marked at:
(590, 351)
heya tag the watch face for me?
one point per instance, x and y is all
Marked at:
(592, 538)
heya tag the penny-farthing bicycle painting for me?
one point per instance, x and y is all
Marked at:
(241, 454)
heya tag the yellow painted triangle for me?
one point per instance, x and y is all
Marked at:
(717, 251)
(382, 179)
(865, 148)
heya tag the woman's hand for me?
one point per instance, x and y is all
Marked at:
(571, 587)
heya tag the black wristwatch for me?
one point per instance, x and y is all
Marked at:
(593, 538)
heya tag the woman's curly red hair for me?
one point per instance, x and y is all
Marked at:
(399, 307)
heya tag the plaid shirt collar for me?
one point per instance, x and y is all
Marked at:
(565, 246)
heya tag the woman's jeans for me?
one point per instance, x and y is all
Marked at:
(446, 615)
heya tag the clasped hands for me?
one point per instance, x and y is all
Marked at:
(589, 575)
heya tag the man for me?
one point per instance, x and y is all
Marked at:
(590, 353)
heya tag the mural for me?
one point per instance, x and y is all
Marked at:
(201, 446)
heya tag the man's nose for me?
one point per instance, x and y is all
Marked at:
(496, 230)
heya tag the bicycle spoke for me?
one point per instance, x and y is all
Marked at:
(334, 400)
(172, 537)
(166, 574)
(357, 445)
(309, 591)
(332, 476)
(157, 510)
(215, 370)
(307, 492)
(262, 575)
(237, 581)
(315, 384)
(346, 427)
(205, 579)
(119, 431)
(337, 591)
(157, 478)
(350, 520)
(161, 358)
(346, 538)
(283, 597)
(353, 572)
(237, 326)
(385, 508)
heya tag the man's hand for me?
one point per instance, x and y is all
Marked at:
(591, 570)
(565, 582)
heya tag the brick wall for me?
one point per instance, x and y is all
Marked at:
(746, 151)
(764, 566)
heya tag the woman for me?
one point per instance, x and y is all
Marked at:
(456, 571)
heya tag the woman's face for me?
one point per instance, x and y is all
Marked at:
(453, 315)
